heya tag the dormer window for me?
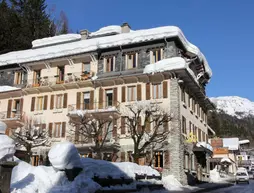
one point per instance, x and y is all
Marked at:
(19, 77)
(156, 55)
(86, 68)
(109, 63)
(131, 60)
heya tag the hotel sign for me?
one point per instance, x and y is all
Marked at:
(220, 150)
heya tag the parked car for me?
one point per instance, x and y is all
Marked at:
(242, 176)
(250, 173)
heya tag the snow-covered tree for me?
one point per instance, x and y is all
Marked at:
(93, 128)
(33, 134)
(147, 125)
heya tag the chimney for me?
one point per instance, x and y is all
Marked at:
(84, 34)
(125, 28)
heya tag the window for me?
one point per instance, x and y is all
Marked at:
(189, 101)
(132, 93)
(19, 78)
(198, 110)
(156, 55)
(86, 100)
(183, 125)
(39, 103)
(109, 64)
(193, 105)
(193, 162)
(86, 68)
(109, 98)
(59, 101)
(158, 159)
(57, 130)
(183, 95)
(60, 74)
(186, 161)
(195, 130)
(131, 61)
(157, 91)
(190, 127)
(36, 77)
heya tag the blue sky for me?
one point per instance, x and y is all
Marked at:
(223, 30)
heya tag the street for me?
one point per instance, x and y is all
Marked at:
(239, 188)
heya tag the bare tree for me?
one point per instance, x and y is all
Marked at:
(147, 125)
(94, 128)
(33, 134)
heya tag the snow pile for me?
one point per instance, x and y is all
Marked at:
(7, 147)
(64, 156)
(81, 113)
(171, 183)
(234, 105)
(56, 40)
(112, 29)
(94, 44)
(8, 88)
(166, 65)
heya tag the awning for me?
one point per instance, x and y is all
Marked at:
(203, 146)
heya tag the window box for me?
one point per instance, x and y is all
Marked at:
(45, 77)
(56, 76)
(69, 74)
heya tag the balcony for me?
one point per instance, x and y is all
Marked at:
(104, 109)
(49, 83)
(11, 119)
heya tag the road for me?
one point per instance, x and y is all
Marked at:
(239, 188)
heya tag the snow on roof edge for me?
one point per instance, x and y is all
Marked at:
(102, 43)
(8, 89)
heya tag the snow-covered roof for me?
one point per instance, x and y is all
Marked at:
(112, 29)
(231, 143)
(241, 142)
(56, 40)
(7, 88)
(225, 159)
(89, 45)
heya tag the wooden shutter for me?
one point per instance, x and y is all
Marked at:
(9, 108)
(122, 156)
(78, 100)
(101, 95)
(165, 89)
(33, 104)
(123, 125)
(115, 96)
(91, 105)
(148, 126)
(123, 94)
(165, 125)
(139, 92)
(65, 100)
(114, 129)
(63, 129)
(21, 106)
(45, 102)
(50, 130)
(52, 102)
(139, 129)
(148, 92)
(43, 127)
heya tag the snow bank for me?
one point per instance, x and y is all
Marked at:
(3, 127)
(166, 65)
(171, 183)
(7, 147)
(56, 40)
(112, 29)
(90, 45)
(64, 156)
(8, 88)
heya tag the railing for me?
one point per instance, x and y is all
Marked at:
(105, 105)
(10, 115)
(54, 80)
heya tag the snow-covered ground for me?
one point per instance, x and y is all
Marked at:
(234, 105)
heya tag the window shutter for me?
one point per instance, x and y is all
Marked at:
(123, 94)
(52, 102)
(167, 159)
(63, 129)
(148, 92)
(122, 156)
(50, 130)
(115, 96)
(101, 98)
(78, 100)
(123, 125)
(139, 129)
(21, 106)
(9, 108)
(91, 105)
(114, 128)
(32, 103)
(139, 92)
(165, 89)
(65, 100)
(45, 102)
(148, 126)
(165, 125)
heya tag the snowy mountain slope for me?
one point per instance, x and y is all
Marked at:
(234, 105)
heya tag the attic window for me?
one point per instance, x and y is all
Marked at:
(131, 60)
